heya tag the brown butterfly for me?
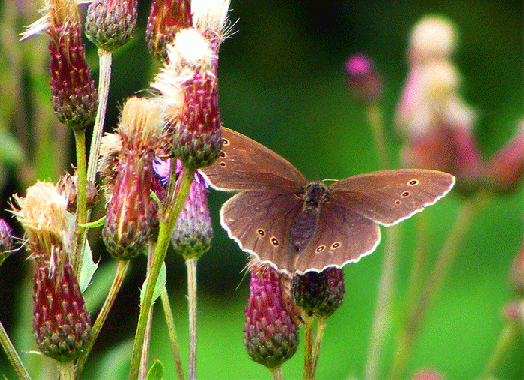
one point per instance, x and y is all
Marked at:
(301, 226)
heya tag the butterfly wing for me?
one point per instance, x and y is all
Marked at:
(342, 236)
(260, 221)
(390, 196)
(245, 164)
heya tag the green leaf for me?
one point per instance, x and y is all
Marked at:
(156, 371)
(93, 224)
(89, 268)
(161, 281)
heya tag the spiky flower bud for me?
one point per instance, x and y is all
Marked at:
(188, 86)
(74, 94)
(61, 323)
(270, 333)
(166, 19)
(110, 24)
(132, 212)
(504, 171)
(364, 81)
(193, 231)
(319, 293)
(6, 240)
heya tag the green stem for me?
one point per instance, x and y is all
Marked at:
(276, 373)
(419, 259)
(170, 322)
(191, 265)
(382, 304)
(321, 328)
(308, 348)
(142, 372)
(12, 355)
(104, 79)
(121, 270)
(66, 370)
(374, 116)
(81, 200)
(434, 283)
(164, 235)
(507, 339)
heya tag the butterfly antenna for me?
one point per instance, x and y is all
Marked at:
(245, 270)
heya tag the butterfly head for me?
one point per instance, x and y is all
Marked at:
(314, 194)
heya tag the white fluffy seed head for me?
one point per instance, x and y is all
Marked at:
(210, 15)
(432, 38)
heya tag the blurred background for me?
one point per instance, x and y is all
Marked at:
(282, 82)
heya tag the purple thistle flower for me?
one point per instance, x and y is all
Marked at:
(363, 79)
(270, 332)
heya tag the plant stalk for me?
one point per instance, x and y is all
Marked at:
(170, 322)
(321, 328)
(167, 223)
(276, 373)
(191, 265)
(12, 354)
(308, 348)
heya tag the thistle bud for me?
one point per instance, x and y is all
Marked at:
(166, 18)
(193, 231)
(132, 212)
(504, 171)
(364, 82)
(61, 323)
(6, 240)
(319, 293)
(74, 94)
(110, 24)
(188, 87)
(270, 333)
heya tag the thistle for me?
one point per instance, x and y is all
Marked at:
(319, 293)
(74, 95)
(6, 240)
(193, 231)
(188, 86)
(132, 212)
(110, 24)
(364, 81)
(270, 333)
(61, 323)
(166, 18)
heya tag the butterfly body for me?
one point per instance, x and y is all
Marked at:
(298, 226)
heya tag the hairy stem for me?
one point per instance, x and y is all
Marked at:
(12, 355)
(276, 373)
(167, 222)
(321, 328)
(191, 265)
(172, 333)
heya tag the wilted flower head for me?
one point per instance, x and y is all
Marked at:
(61, 323)
(193, 231)
(432, 38)
(504, 171)
(270, 333)
(68, 185)
(319, 293)
(74, 95)
(110, 24)
(364, 81)
(131, 213)
(188, 86)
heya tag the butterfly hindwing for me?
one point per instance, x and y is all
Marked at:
(342, 236)
(260, 222)
(245, 164)
(390, 196)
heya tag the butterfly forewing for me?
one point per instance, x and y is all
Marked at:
(387, 197)
(260, 222)
(245, 164)
(342, 236)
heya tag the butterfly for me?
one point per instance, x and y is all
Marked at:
(300, 226)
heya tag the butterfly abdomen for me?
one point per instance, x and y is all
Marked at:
(306, 221)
